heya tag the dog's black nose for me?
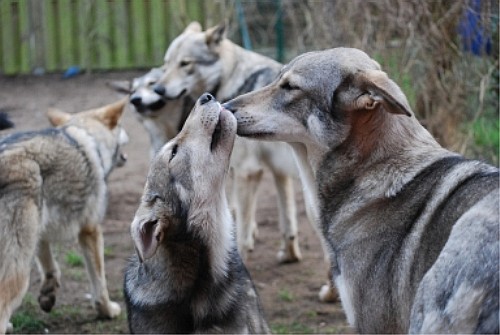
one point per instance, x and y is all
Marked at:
(136, 101)
(206, 97)
(160, 90)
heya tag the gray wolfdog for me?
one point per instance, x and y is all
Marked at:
(53, 188)
(187, 276)
(412, 228)
(206, 61)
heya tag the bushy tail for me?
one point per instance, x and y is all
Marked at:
(5, 122)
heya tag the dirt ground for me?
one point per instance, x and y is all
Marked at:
(288, 292)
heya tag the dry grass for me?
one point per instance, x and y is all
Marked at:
(416, 41)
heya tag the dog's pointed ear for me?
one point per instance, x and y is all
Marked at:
(120, 86)
(215, 35)
(193, 27)
(380, 90)
(148, 238)
(57, 117)
(110, 114)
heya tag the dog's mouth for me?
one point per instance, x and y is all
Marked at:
(151, 109)
(255, 135)
(216, 135)
(157, 105)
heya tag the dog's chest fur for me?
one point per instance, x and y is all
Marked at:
(177, 292)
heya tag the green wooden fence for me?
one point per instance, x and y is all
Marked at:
(52, 35)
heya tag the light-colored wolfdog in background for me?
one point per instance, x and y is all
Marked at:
(53, 188)
(162, 118)
(413, 229)
(187, 276)
(198, 61)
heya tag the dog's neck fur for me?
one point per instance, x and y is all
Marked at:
(196, 258)
(241, 63)
(374, 141)
(360, 152)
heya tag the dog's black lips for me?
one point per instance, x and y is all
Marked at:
(216, 135)
(149, 110)
(259, 135)
(157, 105)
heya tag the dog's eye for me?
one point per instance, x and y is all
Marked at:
(174, 151)
(184, 63)
(151, 198)
(289, 87)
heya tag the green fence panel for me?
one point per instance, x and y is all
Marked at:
(52, 35)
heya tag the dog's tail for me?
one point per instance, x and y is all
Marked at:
(5, 122)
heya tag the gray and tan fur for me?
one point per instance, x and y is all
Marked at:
(412, 228)
(198, 61)
(53, 188)
(187, 276)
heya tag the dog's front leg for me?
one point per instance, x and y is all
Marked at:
(246, 183)
(92, 244)
(289, 251)
(51, 275)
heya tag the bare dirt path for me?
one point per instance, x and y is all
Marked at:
(288, 292)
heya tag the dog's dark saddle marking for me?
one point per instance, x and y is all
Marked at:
(267, 74)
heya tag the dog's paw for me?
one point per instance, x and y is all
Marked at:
(328, 293)
(47, 297)
(290, 253)
(47, 301)
(110, 310)
(10, 328)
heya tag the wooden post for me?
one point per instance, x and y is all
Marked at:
(36, 36)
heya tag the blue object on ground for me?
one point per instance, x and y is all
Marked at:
(71, 72)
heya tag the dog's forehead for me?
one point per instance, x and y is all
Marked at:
(153, 75)
(187, 45)
(337, 63)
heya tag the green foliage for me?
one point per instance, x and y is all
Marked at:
(486, 138)
(73, 259)
(285, 295)
(25, 320)
(293, 328)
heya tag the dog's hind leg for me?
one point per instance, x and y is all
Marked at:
(92, 244)
(289, 251)
(19, 232)
(12, 291)
(49, 271)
